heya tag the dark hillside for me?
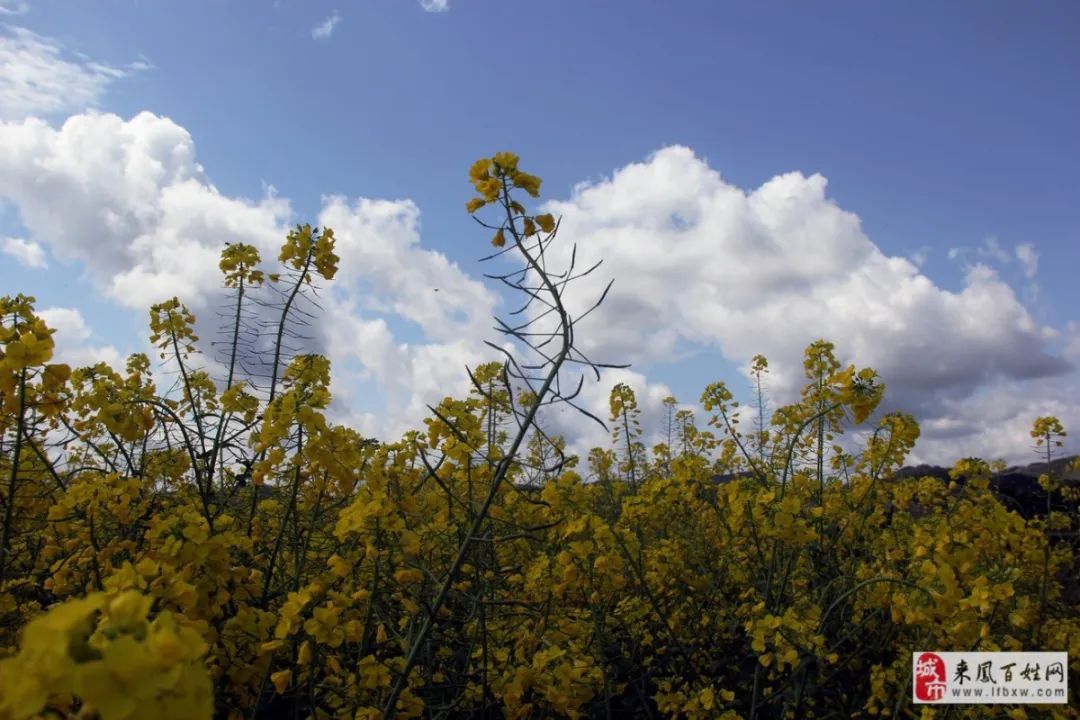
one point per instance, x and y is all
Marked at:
(1017, 486)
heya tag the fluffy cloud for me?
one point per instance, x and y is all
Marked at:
(584, 433)
(700, 263)
(435, 6)
(325, 29)
(388, 268)
(36, 78)
(995, 421)
(72, 338)
(26, 252)
(386, 271)
(128, 200)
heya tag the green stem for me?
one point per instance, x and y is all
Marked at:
(501, 471)
(212, 462)
(9, 505)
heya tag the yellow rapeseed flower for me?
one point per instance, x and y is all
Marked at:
(506, 161)
(528, 183)
(281, 680)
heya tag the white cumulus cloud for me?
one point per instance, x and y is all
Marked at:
(72, 339)
(26, 252)
(701, 263)
(700, 266)
(128, 200)
(435, 6)
(392, 272)
(386, 271)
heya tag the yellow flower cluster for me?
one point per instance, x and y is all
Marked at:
(238, 264)
(231, 552)
(494, 178)
(305, 247)
(107, 652)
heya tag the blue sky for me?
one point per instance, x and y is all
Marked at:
(945, 131)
